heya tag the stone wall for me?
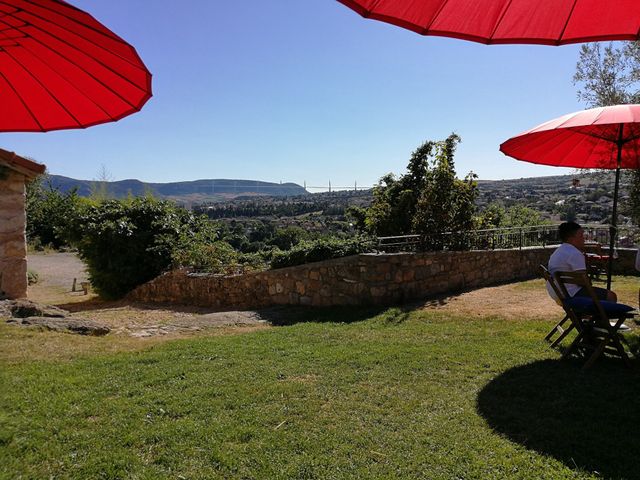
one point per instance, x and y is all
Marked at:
(13, 250)
(378, 279)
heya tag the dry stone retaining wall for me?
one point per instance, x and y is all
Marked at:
(13, 250)
(368, 279)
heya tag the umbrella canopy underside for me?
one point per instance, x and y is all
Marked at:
(60, 68)
(586, 139)
(547, 22)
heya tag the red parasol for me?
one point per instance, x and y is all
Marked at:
(605, 137)
(548, 22)
(60, 68)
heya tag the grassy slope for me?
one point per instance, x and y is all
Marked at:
(419, 394)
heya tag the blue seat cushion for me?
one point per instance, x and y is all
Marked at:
(586, 305)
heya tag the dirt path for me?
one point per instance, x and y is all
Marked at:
(512, 301)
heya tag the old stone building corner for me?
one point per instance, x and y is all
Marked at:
(15, 173)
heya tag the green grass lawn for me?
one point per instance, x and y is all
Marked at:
(336, 393)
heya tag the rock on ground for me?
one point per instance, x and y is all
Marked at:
(72, 325)
(27, 313)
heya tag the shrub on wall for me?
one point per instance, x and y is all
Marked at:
(322, 249)
(127, 243)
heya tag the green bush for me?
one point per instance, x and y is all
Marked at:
(201, 256)
(308, 251)
(126, 243)
(50, 214)
(32, 277)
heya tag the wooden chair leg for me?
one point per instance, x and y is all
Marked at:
(598, 351)
(557, 328)
(561, 337)
(573, 346)
(620, 348)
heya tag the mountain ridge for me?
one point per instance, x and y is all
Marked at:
(186, 191)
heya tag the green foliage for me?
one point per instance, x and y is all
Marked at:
(358, 217)
(321, 249)
(610, 75)
(202, 255)
(427, 200)
(286, 238)
(32, 277)
(496, 216)
(126, 243)
(446, 203)
(51, 215)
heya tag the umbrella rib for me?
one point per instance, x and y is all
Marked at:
(97, 45)
(90, 99)
(24, 104)
(504, 13)
(111, 34)
(85, 71)
(545, 141)
(574, 147)
(435, 17)
(566, 24)
(593, 147)
(54, 97)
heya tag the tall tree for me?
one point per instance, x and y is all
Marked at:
(428, 199)
(610, 75)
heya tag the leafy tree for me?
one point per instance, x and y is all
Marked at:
(286, 238)
(51, 213)
(358, 216)
(496, 216)
(428, 199)
(446, 203)
(126, 243)
(610, 75)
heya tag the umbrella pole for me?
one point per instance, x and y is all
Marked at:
(613, 229)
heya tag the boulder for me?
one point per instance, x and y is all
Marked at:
(31, 314)
(73, 325)
(26, 308)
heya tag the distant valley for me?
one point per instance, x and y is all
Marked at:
(586, 196)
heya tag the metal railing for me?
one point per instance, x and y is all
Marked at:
(502, 238)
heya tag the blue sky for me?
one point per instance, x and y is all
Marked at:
(291, 90)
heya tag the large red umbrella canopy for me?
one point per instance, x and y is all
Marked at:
(587, 139)
(60, 68)
(605, 137)
(549, 22)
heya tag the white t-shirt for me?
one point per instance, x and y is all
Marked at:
(566, 258)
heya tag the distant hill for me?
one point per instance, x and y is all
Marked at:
(196, 191)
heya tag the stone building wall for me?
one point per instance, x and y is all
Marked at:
(13, 250)
(378, 279)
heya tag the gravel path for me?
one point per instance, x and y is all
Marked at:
(57, 269)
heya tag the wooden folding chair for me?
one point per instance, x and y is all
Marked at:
(599, 321)
(560, 326)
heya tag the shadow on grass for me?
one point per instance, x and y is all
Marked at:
(277, 315)
(291, 315)
(588, 420)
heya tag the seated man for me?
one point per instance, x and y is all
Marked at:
(569, 257)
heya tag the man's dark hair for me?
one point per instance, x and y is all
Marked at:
(567, 230)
